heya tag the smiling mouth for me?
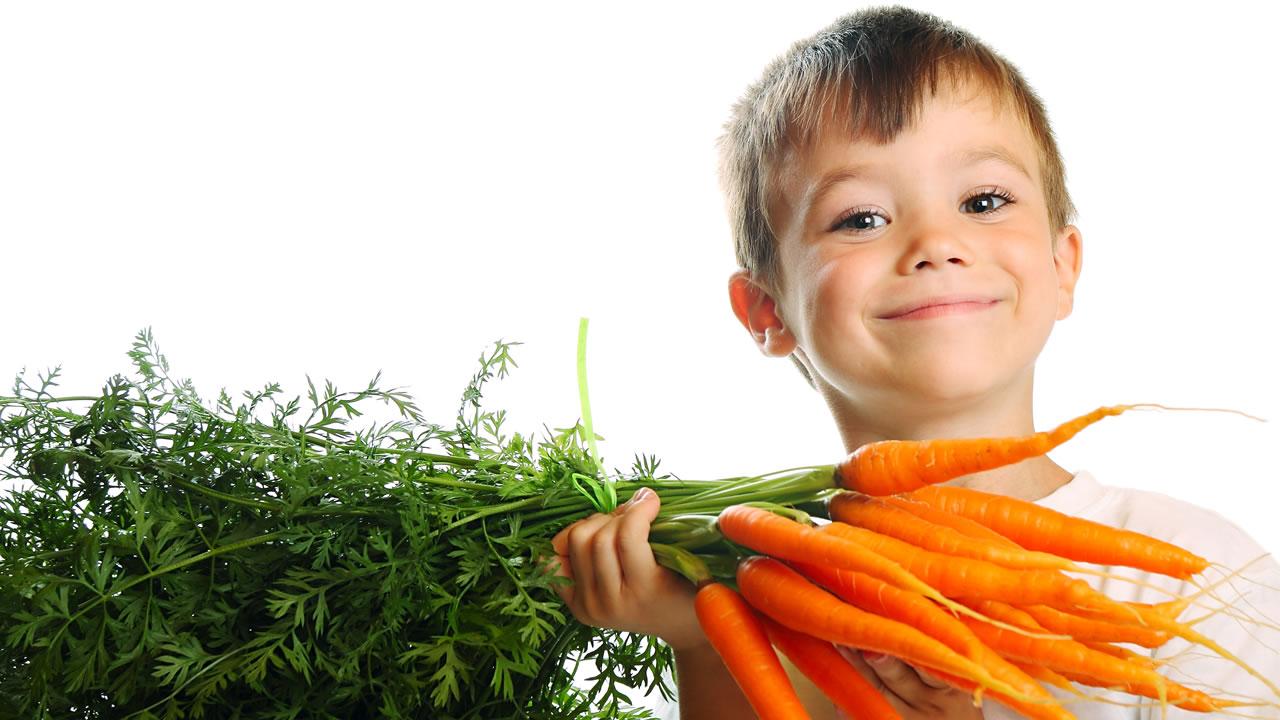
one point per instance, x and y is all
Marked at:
(944, 309)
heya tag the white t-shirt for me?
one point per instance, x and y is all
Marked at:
(1213, 537)
(1205, 533)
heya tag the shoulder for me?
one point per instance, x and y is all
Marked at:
(1252, 594)
(1198, 529)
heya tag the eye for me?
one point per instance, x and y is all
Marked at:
(988, 196)
(857, 220)
(861, 220)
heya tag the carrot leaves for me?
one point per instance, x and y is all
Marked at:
(262, 557)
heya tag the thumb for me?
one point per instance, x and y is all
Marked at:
(644, 504)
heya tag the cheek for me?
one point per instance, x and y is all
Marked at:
(1040, 302)
(835, 299)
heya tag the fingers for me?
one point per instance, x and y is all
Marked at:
(559, 563)
(591, 554)
(902, 685)
(638, 565)
(931, 680)
(560, 543)
(606, 567)
(857, 659)
(898, 677)
(601, 553)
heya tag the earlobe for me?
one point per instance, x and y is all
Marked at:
(756, 310)
(1068, 255)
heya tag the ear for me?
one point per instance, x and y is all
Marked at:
(1068, 253)
(758, 313)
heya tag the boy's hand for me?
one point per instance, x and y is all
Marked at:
(915, 694)
(617, 582)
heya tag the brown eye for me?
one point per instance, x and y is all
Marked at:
(860, 221)
(986, 203)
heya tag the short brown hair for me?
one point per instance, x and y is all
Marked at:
(870, 70)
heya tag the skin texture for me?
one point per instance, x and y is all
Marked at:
(963, 375)
(913, 693)
(923, 231)
(618, 584)
(929, 230)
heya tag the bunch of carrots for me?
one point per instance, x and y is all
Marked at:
(290, 564)
(968, 586)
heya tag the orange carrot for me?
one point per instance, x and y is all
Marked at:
(779, 537)
(1079, 663)
(1047, 676)
(889, 467)
(882, 517)
(878, 597)
(1084, 628)
(831, 673)
(735, 631)
(786, 596)
(1039, 528)
(1161, 611)
(1120, 652)
(1175, 693)
(946, 519)
(954, 576)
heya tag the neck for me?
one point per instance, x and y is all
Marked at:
(998, 415)
(1028, 480)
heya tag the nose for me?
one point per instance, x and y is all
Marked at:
(934, 246)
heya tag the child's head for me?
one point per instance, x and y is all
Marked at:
(851, 172)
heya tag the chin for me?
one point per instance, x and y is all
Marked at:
(951, 383)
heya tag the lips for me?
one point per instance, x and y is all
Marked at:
(939, 303)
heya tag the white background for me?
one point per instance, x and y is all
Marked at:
(280, 189)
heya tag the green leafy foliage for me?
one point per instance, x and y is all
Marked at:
(161, 557)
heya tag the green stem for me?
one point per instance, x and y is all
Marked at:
(494, 510)
(602, 491)
(582, 392)
(223, 496)
(8, 399)
(452, 460)
(429, 479)
(803, 482)
(683, 562)
(626, 488)
(455, 483)
(692, 497)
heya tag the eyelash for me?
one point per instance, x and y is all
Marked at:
(992, 191)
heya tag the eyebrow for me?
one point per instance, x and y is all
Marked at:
(993, 152)
(973, 156)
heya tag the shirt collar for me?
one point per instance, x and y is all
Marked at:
(1072, 498)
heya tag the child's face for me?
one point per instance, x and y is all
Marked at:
(911, 282)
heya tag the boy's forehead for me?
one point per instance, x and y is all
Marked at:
(948, 125)
(953, 128)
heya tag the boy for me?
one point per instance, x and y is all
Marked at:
(901, 220)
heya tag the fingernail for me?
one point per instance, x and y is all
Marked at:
(873, 657)
(640, 496)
